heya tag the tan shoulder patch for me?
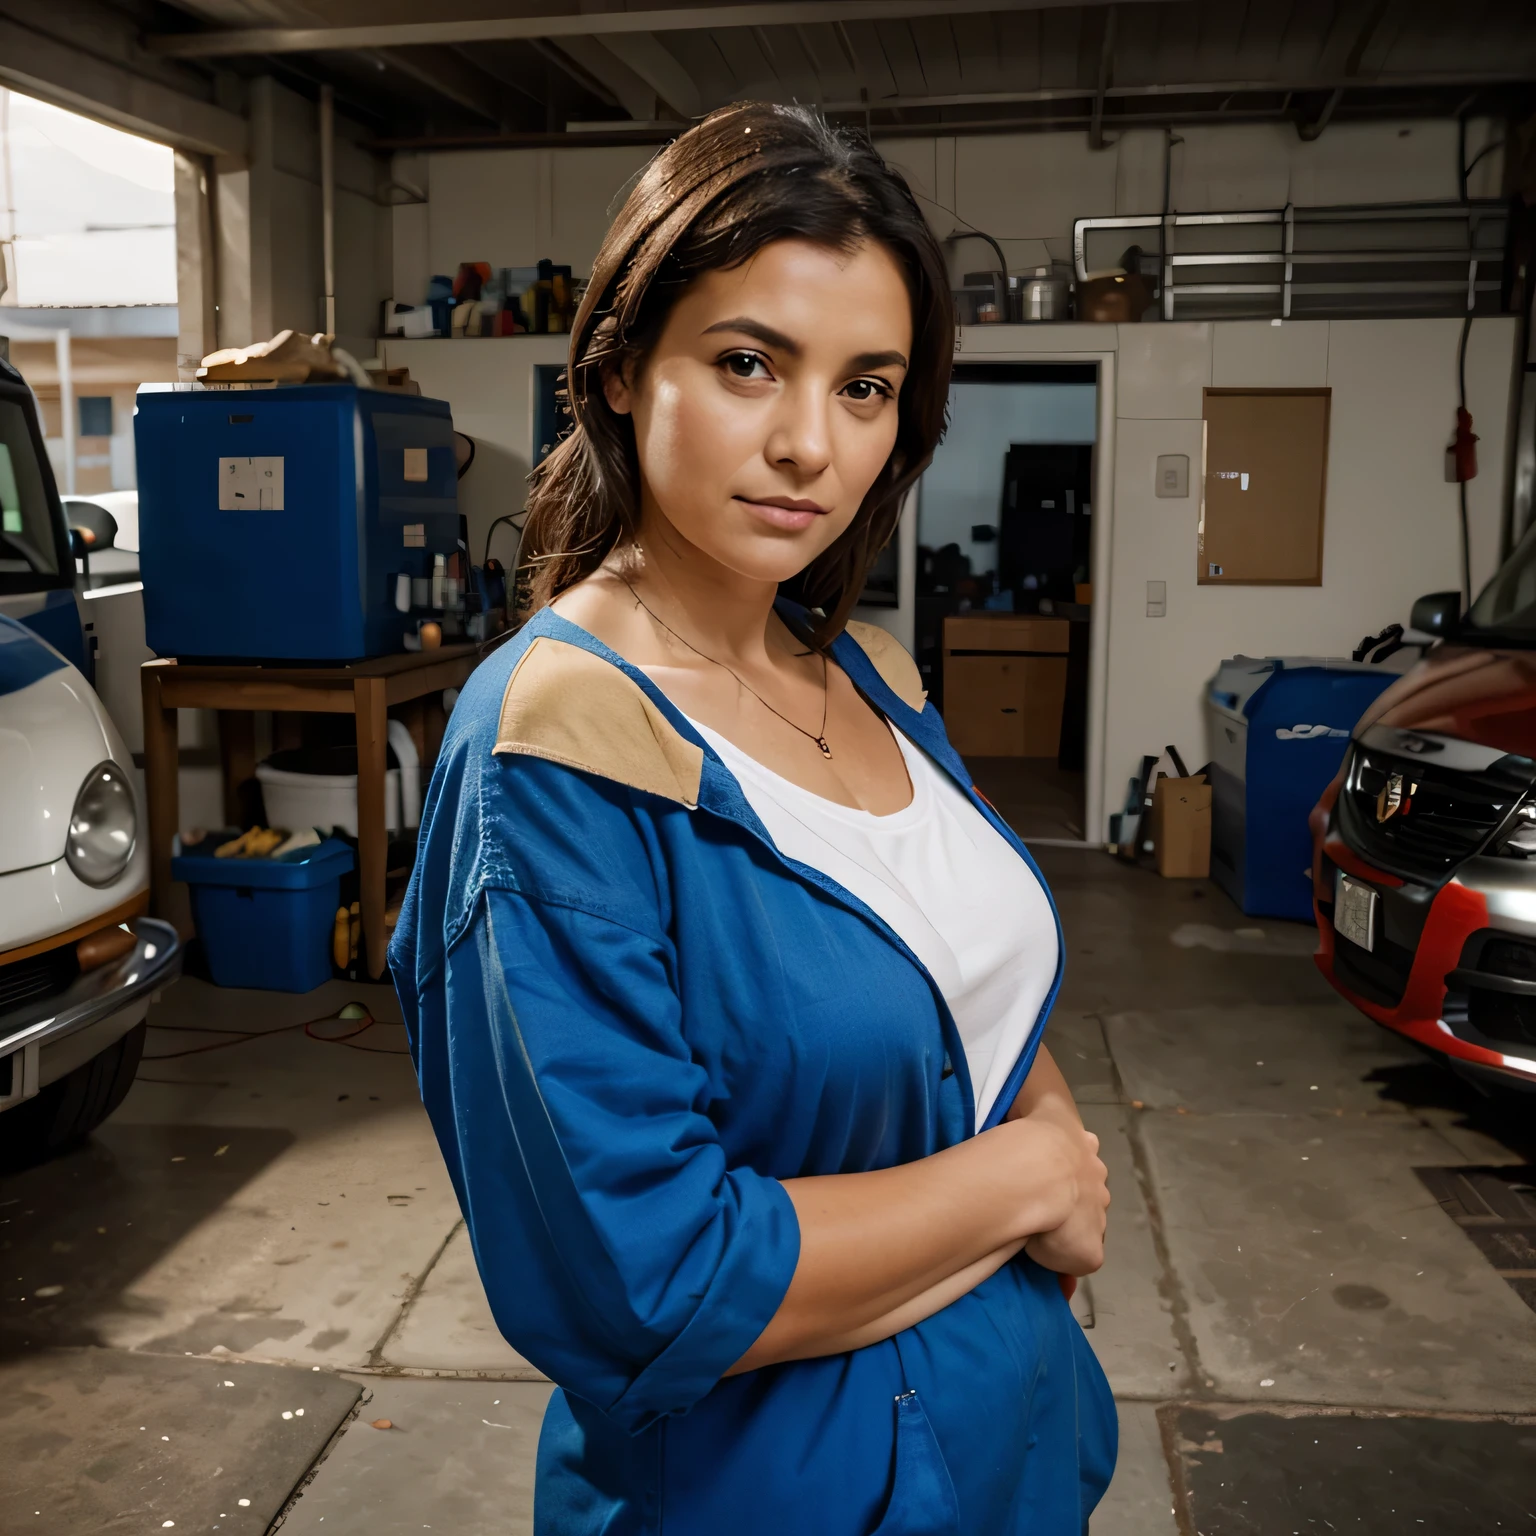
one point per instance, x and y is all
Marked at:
(569, 706)
(890, 659)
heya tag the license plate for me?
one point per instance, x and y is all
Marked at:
(1354, 913)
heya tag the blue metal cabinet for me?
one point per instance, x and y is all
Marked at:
(1279, 726)
(273, 523)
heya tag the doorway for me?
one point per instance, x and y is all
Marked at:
(1003, 600)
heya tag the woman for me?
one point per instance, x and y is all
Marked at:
(725, 987)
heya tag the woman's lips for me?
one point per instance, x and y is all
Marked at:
(792, 518)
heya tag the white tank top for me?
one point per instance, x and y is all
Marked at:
(940, 875)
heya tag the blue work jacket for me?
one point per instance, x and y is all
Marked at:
(632, 1017)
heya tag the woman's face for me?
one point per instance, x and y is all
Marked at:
(768, 405)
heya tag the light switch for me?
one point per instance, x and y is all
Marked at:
(1157, 599)
(1173, 474)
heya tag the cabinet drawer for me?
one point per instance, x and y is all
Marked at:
(1006, 632)
(1004, 706)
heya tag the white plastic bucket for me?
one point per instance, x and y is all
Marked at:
(324, 800)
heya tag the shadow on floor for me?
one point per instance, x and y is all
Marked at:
(76, 1233)
(1429, 1084)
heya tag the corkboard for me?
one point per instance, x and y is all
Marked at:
(1264, 472)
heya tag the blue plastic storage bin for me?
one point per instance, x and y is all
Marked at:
(1279, 727)
(274, 523)
(266, 923)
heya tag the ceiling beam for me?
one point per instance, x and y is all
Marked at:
(602, 71)
(68, 77)
(645, 53)
(1186, 88)
(772, 13)
(453, 77)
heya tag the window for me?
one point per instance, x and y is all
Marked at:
(29, 552)
(95, 415)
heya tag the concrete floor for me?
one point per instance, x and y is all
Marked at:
(280, 1206)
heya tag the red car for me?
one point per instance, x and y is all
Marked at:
(1424, 863)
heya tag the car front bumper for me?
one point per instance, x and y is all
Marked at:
(1426, 977)
(42, 1040)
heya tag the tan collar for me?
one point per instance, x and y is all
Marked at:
(570, 706)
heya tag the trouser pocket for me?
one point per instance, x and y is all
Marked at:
(922, 1501)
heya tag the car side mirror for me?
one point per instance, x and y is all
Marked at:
(1438, 614)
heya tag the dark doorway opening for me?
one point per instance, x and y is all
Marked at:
(1003, 591)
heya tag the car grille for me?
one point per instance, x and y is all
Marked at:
(1451, 814)
(24, 981)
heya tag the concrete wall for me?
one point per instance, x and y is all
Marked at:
(1026, 189)
(1390, 525)
(510, 207)
(264, 228)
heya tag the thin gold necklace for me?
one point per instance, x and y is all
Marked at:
(820, 738)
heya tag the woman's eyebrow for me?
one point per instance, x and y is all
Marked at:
(764, 333)
(746, 326)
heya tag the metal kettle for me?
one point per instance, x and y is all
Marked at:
(1041, 296)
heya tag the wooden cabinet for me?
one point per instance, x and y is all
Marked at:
(1005, 681)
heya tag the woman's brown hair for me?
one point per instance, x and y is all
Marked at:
(743, 177)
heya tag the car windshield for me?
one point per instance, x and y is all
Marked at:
(27, 547)
(1506, 608)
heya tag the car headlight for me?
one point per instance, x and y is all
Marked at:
(103, 827)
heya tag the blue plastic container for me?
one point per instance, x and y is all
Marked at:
(1279, 728)
(266, 923)
(274, 523)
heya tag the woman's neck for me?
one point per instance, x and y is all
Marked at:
(724, 613)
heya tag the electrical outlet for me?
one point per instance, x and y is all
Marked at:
(1157, 599)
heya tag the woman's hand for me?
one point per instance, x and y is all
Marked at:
(1076, 1247)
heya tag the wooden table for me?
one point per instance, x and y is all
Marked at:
(365, 690)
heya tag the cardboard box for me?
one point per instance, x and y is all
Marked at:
(1181, 827)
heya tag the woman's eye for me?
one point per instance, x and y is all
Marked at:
(866, 389)
(744, 365)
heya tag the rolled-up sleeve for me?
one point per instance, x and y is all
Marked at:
(621, 1252)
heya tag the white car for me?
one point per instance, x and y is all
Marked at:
(79, 960)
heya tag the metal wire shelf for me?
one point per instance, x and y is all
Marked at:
(1291, 262)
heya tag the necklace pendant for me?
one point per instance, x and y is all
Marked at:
(826, 751)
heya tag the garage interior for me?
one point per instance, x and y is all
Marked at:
(247, 1301)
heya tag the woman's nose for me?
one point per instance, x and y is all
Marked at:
(801, 437)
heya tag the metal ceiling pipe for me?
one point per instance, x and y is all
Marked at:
(1106, 75)
(328, 201)
(1308, 132)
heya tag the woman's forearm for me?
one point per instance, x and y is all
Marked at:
(872, 1244)
(922, 1306)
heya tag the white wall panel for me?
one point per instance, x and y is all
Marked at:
(1256, 354)
(1390, 525)
(1163, 369)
